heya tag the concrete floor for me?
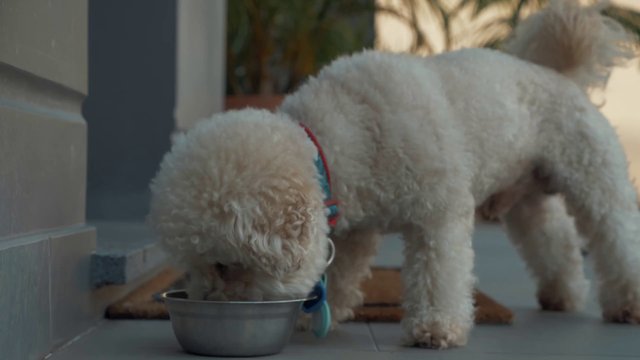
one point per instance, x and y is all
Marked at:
(534, 335)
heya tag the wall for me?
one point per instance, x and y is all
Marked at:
(44, 243)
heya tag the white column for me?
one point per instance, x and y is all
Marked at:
(201, 35)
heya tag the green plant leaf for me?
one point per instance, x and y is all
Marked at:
(628, 18)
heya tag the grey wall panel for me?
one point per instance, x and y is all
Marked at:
(72, 311)
(46, 38)
(24, 319)
(42, 171)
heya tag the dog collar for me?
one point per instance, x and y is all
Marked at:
(318, 306)
(325, 180)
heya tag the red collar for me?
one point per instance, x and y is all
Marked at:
(325, 179)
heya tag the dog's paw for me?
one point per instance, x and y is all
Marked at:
(563, 295)
(550, 303)
(303, 323)
(338, 316)
(626, 315)
(620, 301)
(555, 299)
(436, 336)
(342, 314)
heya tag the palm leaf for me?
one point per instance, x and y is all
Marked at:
(628, 18)
(482, 5)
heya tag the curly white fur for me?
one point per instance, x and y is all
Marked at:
(578, 42)
(415, 145)
(238, 200)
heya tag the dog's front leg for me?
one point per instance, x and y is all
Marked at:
(354, 253)
(438, 281)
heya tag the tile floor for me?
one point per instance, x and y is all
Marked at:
(534, 335)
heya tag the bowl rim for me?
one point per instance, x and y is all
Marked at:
(167, 296)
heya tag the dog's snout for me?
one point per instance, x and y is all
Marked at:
(222, 269)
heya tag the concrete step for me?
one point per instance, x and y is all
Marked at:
(125, 252)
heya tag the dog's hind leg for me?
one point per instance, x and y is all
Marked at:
(546, 238)
(584, 160)
(354, 253)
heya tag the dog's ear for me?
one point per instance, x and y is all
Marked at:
(276, 233)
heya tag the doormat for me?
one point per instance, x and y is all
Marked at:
(383, 296)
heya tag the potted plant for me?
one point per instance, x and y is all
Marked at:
(274, 45)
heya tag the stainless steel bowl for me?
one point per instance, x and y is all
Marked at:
(231, 328)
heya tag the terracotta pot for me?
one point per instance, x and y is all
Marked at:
(268, 102)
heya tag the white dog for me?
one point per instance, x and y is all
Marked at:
(416, 145)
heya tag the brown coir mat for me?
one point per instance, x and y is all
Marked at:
(382, 300)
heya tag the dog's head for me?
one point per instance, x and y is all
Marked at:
(237, 199)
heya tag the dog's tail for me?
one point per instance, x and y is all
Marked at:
(574, 40)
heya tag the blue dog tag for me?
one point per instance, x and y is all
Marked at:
(319, 309)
